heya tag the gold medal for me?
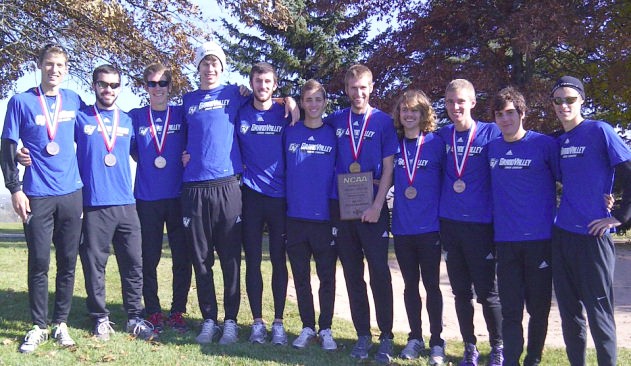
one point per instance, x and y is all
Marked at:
(110, 160)
(459, 186)
(354, 167)
(160, 162)
(410, 193)
(52, 148)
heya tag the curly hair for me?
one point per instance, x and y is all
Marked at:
(415, 100)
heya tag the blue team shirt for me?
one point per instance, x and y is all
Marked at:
(420, 214)
(260, 136)
(523, 176)
(474, 204)
(310, 160)
(154, 183)
(104, 185)
(48, 175)
(379, 142)
(210, 117)
(589, 153)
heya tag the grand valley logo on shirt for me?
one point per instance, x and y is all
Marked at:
(572, 151)
(419, 164)
(310, 148)
(473, 150)
(212, 104)
(64, 116)
(344, 131)
(143, 131)
(510, 163)
(262, 129)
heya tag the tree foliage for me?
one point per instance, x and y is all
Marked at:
(302, 39)
(528, 44)
(129, 34)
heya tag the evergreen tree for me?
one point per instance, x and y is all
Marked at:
(302, 39)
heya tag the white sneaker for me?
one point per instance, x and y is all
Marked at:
(230, 332)
(259, 333)
(326, 340)
(209, 331)
(33, 339)
(60, 333)
(307, 336)
(279, 336)
(141, 329)
(437, 355)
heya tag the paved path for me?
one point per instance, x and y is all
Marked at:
(622, 288)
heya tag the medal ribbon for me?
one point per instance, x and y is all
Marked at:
(110, 140)
(51, 121)
(357, 146)
(412, 174)
(460, 166)
(154, 132)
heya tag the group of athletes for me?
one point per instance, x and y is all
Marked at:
(229, 162)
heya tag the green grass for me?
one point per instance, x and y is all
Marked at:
(175, 349)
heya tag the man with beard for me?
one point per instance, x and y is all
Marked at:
(104, 134)
(261, 124)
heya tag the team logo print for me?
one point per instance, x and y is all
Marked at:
(293, 147)
(40, 120)
(493, 162)
(192, 109)
(245, 127)
(143, 131)
(89, 129)
(186, 221)
(334, 231)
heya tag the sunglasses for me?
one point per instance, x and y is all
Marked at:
(162, 83)
(103, 85)
(567, 100)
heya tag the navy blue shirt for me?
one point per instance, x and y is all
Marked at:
(310, 160)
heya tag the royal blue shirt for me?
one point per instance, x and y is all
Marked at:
(260, 136)
(210, 117)
(589, 153)
(310, 160)
(474, 204)
(104, 185)
(420, 214)
(379, 141)
(48, 175)
(523, 176)
(153, 183)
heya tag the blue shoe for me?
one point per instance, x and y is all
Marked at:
(496, 357)
(361, 348)
(471, 355)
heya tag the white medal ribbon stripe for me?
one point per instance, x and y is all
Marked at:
(110, 141)
(154, 132)
(51, 121)
(460, 166)
(356, 146)
(412, 174)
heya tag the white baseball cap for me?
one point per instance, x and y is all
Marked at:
(210, 48)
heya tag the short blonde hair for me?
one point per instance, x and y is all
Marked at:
(461, 84)
(418, 101)
(357, 71)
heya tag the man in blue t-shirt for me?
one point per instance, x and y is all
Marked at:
(524, 169)
(49, 202)
(583, 254)
(104, 136)
(160, 139)
(260, 125)
(466, 229)
(366, 142)
(211, 196)
(310, 149)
